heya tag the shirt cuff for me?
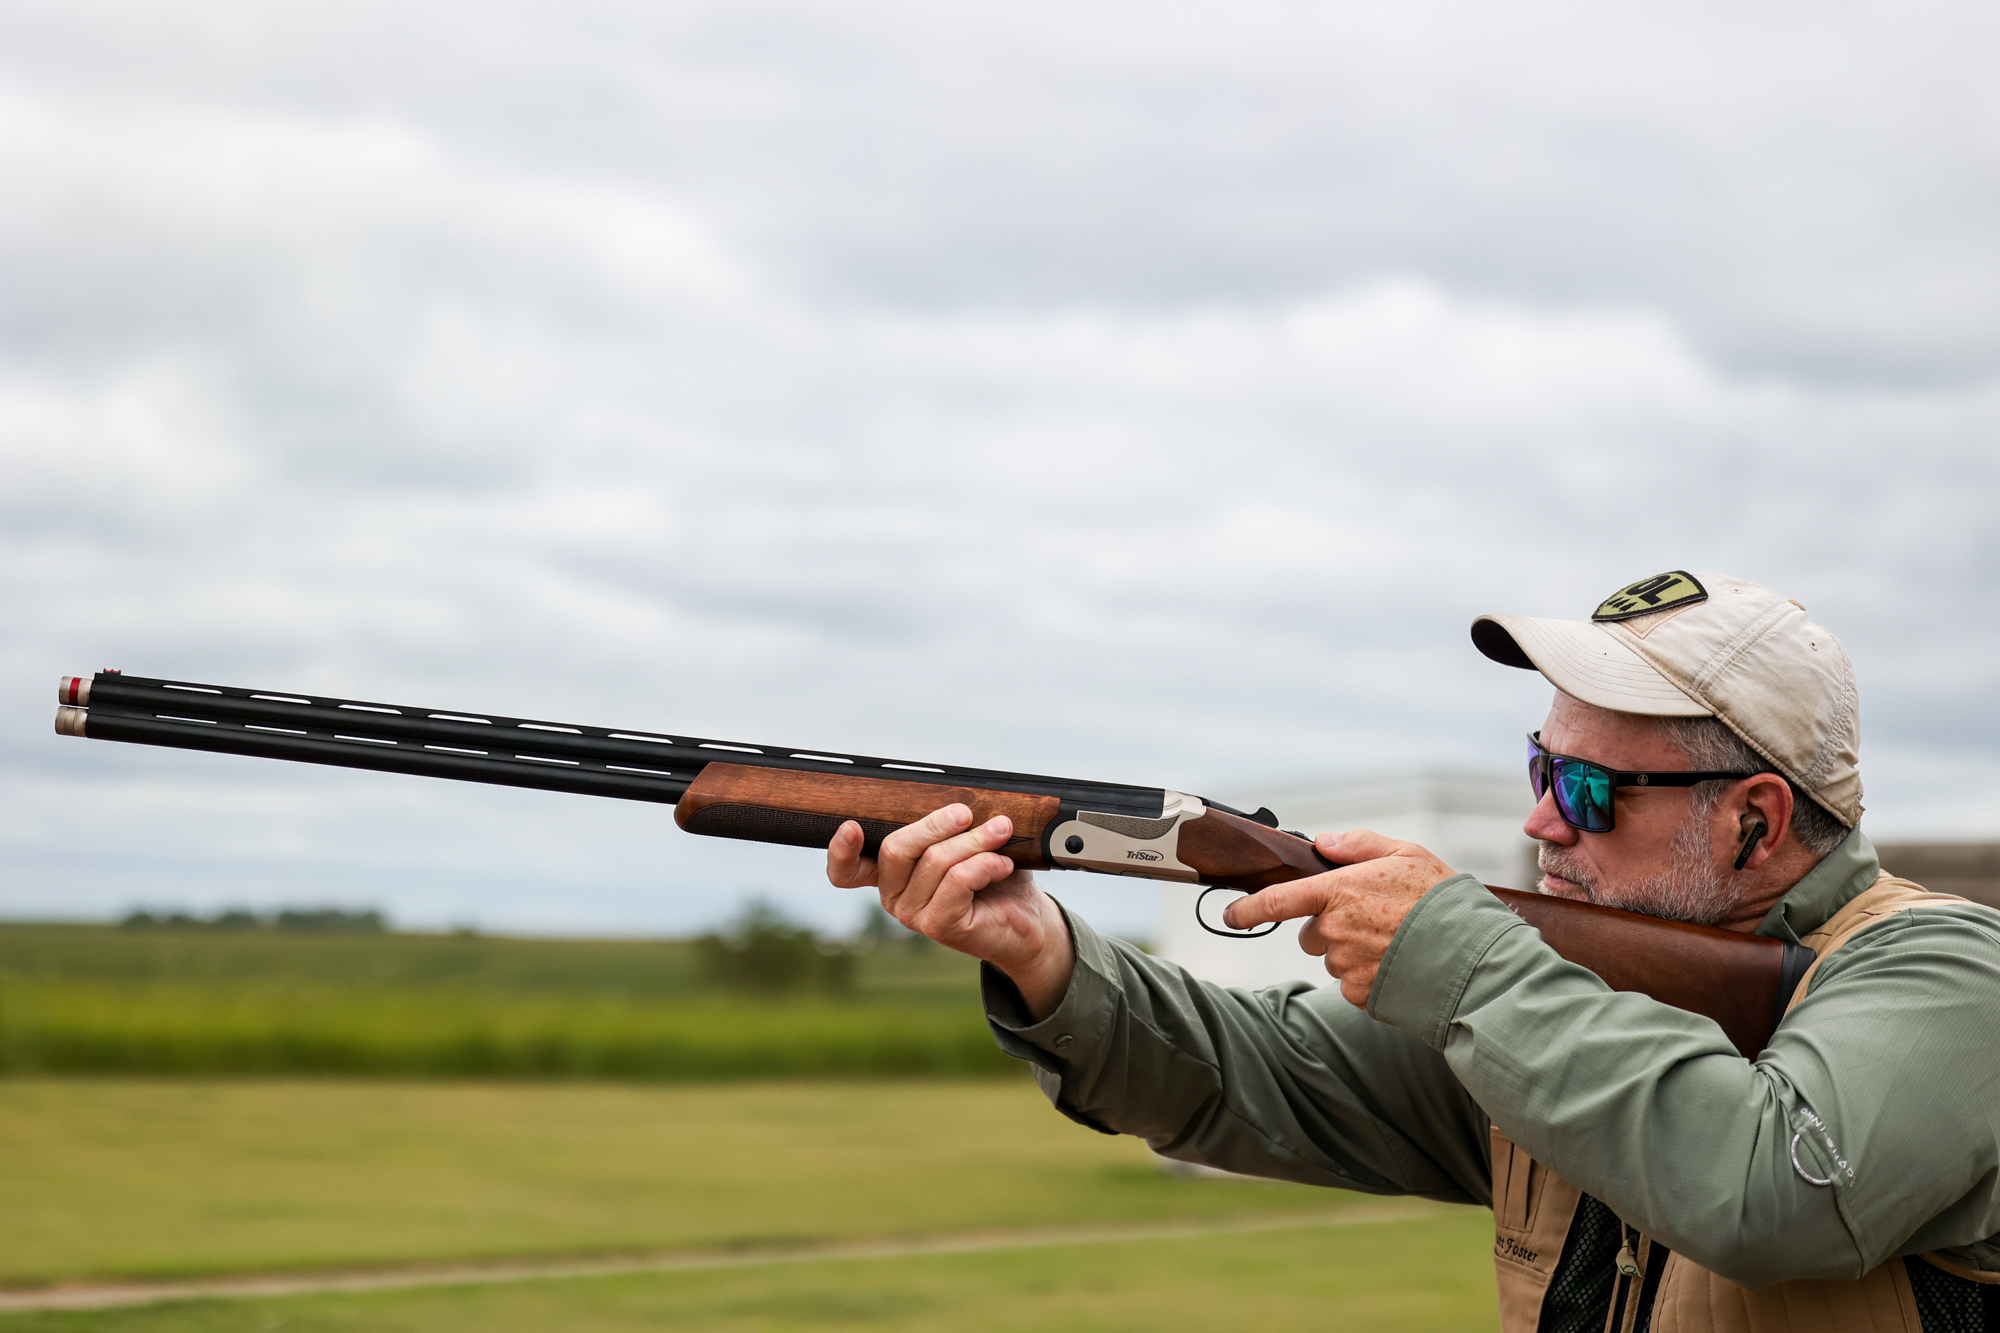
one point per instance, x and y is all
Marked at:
(1078, 1027)
(1431, 959)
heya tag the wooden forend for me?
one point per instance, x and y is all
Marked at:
(804, 809)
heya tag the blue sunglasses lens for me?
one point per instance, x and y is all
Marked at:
(1583, 794)
(1583, 790)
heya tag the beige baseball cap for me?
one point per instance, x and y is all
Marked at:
(1687, 645)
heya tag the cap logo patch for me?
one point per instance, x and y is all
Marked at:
(1659, 593)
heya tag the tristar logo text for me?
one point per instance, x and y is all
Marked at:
(1143, 855)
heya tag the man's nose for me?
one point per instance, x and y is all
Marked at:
(1546, 824)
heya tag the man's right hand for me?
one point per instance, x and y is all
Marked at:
(945, 879)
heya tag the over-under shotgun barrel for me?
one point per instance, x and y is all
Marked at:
(626, 763)
(780, 794)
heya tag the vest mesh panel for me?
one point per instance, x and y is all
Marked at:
(1579, 1296)
(1947, 1303)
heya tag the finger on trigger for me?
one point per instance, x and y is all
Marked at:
(1279, 902)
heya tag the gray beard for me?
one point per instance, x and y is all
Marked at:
(1690, 888)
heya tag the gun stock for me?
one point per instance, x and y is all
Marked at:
(783, 795)
(1742, 981)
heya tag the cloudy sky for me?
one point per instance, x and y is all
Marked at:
(1147, 392)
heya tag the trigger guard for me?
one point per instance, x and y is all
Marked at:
(1268, 927)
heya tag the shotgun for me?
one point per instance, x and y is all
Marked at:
(795, 797)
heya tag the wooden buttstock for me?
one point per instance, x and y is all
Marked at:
(803, 809)
(1742, 981)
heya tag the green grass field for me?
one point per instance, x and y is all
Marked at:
(93, 999)
(159, 1177)
(529, 1100)
(1433, 1276)
(110, 1178)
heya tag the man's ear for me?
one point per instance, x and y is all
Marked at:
(1765, 816)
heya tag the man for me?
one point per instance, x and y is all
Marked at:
(1699, 763)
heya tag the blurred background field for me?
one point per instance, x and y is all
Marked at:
(226, 1097)
(152, 1178)
(763, 999)
(1422, 1276)
(160, 1178)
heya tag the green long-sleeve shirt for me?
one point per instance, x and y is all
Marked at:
(1884, 1080)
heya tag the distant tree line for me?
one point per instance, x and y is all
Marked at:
(765, 952)
(306, 920)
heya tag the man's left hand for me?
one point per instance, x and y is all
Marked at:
(1355, 910)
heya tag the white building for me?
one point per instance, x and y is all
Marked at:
(1472, 820)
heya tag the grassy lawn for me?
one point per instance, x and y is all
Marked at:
(157, 1177)
(162, 1176)
(1431, 1276)
(95, 999)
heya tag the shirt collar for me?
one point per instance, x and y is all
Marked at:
(1842, 875)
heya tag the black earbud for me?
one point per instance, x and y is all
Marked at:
(1754, 829)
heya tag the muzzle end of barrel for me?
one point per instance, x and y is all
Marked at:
(70, 721)
(75, 691)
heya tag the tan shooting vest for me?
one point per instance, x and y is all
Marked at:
(1533, 1209)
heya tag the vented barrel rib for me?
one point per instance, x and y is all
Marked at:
(634, 764)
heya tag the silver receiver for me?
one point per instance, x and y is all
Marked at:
(1128, 844)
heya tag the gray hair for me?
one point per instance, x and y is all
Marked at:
(1709, 743)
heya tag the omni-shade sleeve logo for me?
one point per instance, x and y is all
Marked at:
(1661, 592)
